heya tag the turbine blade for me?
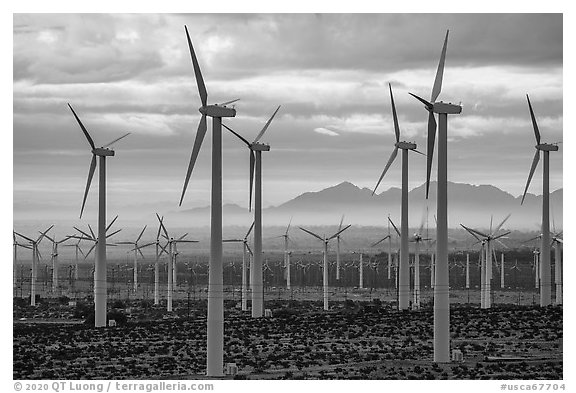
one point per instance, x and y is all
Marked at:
(249, 249)
(27, 238)
(249, 230)
(502, 235)
(470, 232)
(427, 104)
(197, 72)
(430, 151)
(182, 237)
(42, 234)
(251, 174)
(532, 169)
(394, 226)
(312, 233)
(290, 222)
(113, 233)
(116, 140)
(162, 226)
(266, 125)
(396, 126)
(141, 233)
(341, 222)
(90, 250)
(419, 152)
(195, 150)
(92, 232)
(90, 141)
(88, 182)
(229, 102)
(111, 223)
(159, 227)
(84, 233)
(238, 135)
(491, 218)
(502, 223)
(534, 124)
(380, 241)
(339, 232)
(390, 161)
(439, 72)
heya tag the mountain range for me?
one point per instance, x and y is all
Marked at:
(471, 205)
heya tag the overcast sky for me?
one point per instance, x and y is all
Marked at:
(330, 74)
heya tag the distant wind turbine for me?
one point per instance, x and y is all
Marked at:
(35, 256)
(136, 251)
(245, 260)
(325, 240)
(546, 283)
(488, 239)
(55, 266)
(404, 278)
(100, 268)
(256, 165)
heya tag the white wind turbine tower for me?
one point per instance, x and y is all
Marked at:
(488, 238)
(389, 248)
(215, 319)
(35, 256)
(287, 273)
(546, 283)
(467, 271)
(441, 287)
(338, 251)
(537, 268)
(100, 269)
(256, 148)
(502, 270)
(55, 265)
(360, 269)
(404, 271)
(245, 250)
(325, 240)
(136, 251)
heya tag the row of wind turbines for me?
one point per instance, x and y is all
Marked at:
(215, 319)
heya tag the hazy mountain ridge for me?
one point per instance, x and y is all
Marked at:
(468, 204)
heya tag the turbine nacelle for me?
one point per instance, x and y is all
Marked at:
(257, 146)
(405, 145)
(217, 111)
(547, 147)
(103, 152)
(447, 107)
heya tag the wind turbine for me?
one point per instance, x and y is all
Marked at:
(172, 254)
(396, 267)
(245, 257)
(256, 148)
(136, 251)
(35, 256)
(404, 273)
(338, 251)
(389, 248)
(100, 269)
(417, 239)
(159, 250)
(546, 283)
(488, 238)
(55, 265)
(325, 240)
(215, 319)
(441, 287)
(76, 249)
